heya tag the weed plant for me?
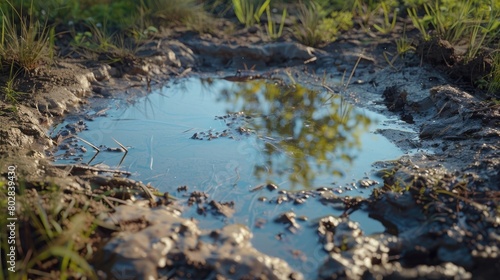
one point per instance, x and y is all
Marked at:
(472, 22)
(27, 44)
(52, 234)
(494, 79)
(404, 45)
(98, 40)
(249, 12)
(307, 30)
(387, 24)
(313, 29)
(11, 95)
(272, 31)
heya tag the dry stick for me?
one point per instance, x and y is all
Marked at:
(123, 147)
(122, 159)
(77, 167)
(353, 70)
(148, 192)
(91, 145)
(95, 155)
(88, 143)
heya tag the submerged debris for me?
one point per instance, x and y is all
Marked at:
(236, 126)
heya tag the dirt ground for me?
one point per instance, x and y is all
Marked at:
(440, 209)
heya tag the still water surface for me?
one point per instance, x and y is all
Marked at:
(225, 138)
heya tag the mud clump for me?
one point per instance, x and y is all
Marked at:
(450, 58)
(174, 247)
(396, 101)
(439, 218)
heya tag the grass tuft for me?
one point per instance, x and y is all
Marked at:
(24, 42)
(494, 79)
(272, 31)
(53, 235)
(306, 31)
(172, 12)
(249, 12)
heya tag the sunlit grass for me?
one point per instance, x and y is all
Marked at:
(494, 81)
(388, 24)
(472, 22)
(52, 232)
(249, 12)
(273, 31)
(11, 95)
(99, 40)
(171, 12)
(306, 31)
(24, 41)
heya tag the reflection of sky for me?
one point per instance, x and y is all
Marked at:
(304, 138)
(157, 130)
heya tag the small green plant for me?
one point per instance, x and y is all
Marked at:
(334, 23)
(449, 22)
(306, 31)
(273, 32)
(482, 33)
(388, 24)
(404, 45)
(98, 40)
(11, 95)
(418, 23)
(365, 11)
(472, 22)
(56, 233)
(314, 28)
(173, 12)
(63, 239)
(494, 79)
(249, 12)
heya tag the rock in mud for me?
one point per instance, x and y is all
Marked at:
(455, 118)
(166, 245)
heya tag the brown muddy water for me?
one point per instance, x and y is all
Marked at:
(228, 138)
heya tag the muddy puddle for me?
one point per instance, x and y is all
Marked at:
(245, 145)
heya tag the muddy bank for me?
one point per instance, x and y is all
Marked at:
(439, 206)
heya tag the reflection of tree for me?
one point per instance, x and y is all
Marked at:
(316, 131)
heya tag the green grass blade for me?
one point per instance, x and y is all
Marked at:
(261, 10)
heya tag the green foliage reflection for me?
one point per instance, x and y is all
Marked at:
(303, 131)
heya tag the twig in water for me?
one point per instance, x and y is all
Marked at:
(151, 153)
(91, 145)
(88, 143)
(124, 148)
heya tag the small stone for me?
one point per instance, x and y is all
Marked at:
(299, 201)
(365, 183)
(271, 187)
